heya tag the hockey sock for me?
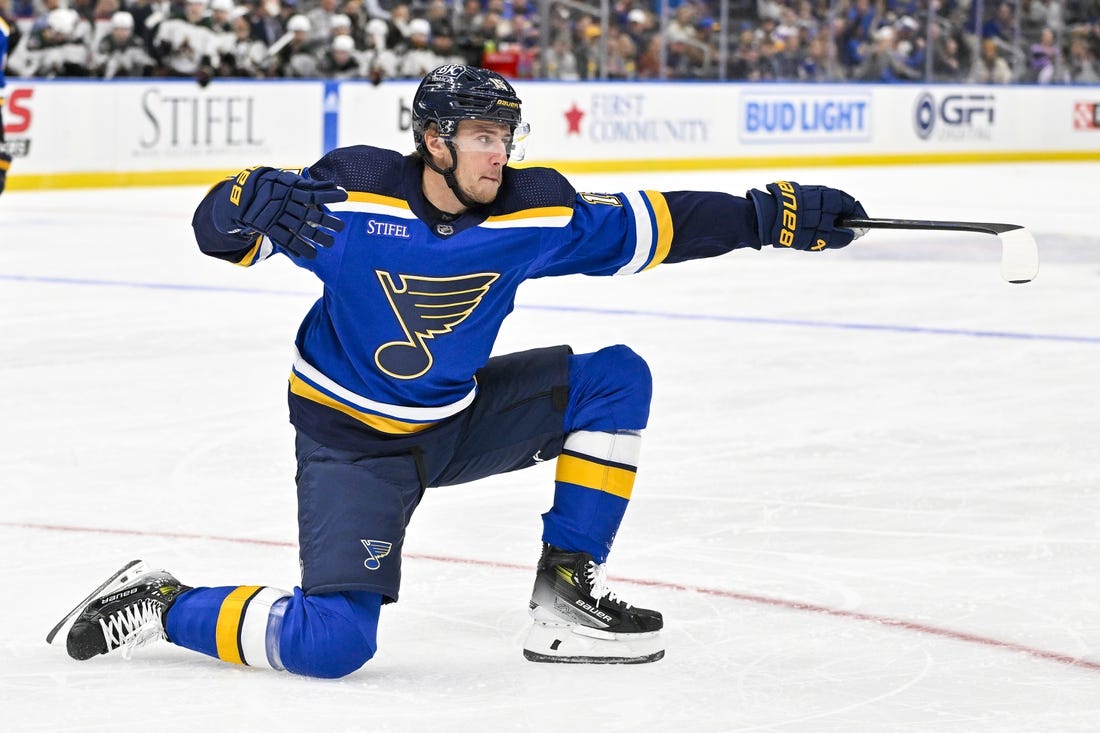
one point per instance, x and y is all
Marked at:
(326, 635)
(594, 480)
(229, 623)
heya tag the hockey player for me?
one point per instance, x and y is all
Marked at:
(393, 390)
(5, 157)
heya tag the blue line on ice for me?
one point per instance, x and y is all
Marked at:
(893, 328)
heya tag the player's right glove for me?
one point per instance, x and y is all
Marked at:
(283, 206)
(805, 217)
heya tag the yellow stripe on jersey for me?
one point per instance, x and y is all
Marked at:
(592, 475)
(387, 425)
(228, 631)
(363, 197)
(525, 214)
(4, 165)
(664, 227)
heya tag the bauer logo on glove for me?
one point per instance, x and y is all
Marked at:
(285, 207)
(804, 217)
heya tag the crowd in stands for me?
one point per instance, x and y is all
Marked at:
(1031, 41)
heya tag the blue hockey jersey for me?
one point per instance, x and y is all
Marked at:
(413, 299)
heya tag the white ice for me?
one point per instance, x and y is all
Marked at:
(869, 497)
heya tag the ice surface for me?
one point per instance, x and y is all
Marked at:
(869, 496)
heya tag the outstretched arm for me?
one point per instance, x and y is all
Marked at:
(786, 214)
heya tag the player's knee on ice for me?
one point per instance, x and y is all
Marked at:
(331, 634)
(609, 390)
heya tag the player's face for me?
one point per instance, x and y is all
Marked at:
(482, 154)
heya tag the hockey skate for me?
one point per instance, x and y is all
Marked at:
(578, 620)
(126, 611)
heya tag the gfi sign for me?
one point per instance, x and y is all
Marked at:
(954, 116)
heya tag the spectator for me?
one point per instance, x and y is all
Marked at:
(379, 62)
(1082, 64)
(639, 25)
(789, 55)
(622, 57)
(104, 11)
(418, 58)
(342, 26)
(682, 25)
(59, 48)
(883, 62)
(121, 52)
(267, 22)
(320, 19)
(221, 16)
(184, 45)
(239, 54)
(399, 19)
(341, 60)
(815, 64)
(947, 60)
(745, 63)
(559, 61)
(1046, 60)
(296, 54)
(990, 67)
(438, 16)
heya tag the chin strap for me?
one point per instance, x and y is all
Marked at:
(449, 174)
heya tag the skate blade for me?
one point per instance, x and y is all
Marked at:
(568, 645)
(129, 572)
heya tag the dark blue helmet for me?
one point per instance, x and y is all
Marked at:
(454, 92)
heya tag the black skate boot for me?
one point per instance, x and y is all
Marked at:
(126, 612)
(578, 620)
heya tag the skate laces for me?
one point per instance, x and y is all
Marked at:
(133, 626)
(597, 579)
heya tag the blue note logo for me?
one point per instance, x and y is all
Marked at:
(426, 307)
(376, 550)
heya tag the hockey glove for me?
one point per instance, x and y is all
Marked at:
(5, 163)
(283, 206)
(804, 217)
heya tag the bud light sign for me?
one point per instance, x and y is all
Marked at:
(805, 118)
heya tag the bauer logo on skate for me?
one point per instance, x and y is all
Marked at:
(813, 117)
(376, 549)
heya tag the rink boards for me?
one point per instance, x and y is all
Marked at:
(69, 134)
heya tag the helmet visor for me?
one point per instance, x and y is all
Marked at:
(482, 140)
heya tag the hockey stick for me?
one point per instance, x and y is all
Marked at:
(130, 571)
(1019, 252)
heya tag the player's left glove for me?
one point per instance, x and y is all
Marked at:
(805, 217)
(284, 206)
(5, 163)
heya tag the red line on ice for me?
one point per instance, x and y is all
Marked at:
(734, 595)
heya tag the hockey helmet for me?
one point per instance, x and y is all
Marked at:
(454, 92)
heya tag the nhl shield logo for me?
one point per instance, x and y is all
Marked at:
(376, 549)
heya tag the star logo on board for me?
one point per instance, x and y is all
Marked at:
(573, 118)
